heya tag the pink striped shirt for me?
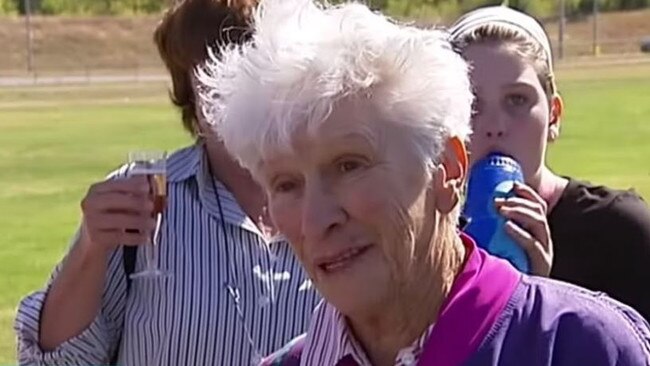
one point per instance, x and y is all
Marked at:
(330, 341)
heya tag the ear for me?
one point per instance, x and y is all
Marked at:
(557, 108)
(449, 180)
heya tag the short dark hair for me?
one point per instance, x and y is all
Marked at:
(182, 38)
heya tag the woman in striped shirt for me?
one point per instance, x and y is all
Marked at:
(236, 291)
(357, 136)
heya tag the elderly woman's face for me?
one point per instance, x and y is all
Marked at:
(354, 202)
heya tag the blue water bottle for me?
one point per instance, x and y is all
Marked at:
(492, 177)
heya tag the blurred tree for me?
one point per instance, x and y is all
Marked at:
(35, 6)
(8, 7)
(433, 10)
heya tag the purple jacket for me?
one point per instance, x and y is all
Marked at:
(495, 316)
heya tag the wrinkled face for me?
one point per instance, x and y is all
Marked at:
(352, 200)
(512, 113)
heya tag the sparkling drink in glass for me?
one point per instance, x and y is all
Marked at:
(152, 164)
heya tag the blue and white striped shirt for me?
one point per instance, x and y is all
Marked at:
(191, 318)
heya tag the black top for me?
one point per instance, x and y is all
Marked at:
(601, 241)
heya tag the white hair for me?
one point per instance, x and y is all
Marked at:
(304, 57)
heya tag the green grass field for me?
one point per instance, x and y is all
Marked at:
(55, 141)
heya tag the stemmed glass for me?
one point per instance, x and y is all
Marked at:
(152, 164)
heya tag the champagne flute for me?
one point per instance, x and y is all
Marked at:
(152, 164)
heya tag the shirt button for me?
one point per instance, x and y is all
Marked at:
(263, 301)
(408, 359)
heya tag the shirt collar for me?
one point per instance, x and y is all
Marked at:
(184, 163)
(480, 293)
(192, 162)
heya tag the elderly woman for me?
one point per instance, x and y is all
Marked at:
(355, 128)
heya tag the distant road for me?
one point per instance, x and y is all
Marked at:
(14, 81)
(153, 76)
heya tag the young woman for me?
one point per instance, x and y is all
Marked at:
(586, 234)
